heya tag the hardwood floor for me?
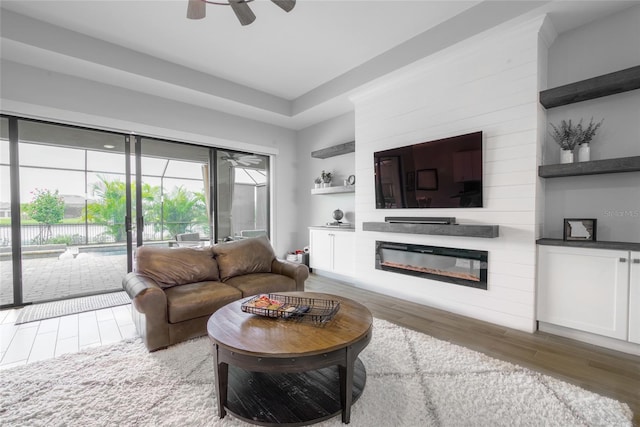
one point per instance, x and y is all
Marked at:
(606, 372)
(603, 371)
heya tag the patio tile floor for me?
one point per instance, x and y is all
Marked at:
(51, 278)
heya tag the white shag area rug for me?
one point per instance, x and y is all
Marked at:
(412, 380)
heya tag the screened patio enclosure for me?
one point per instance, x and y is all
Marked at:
(76, 202)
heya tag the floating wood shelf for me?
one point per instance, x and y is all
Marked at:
(334, 190)
(463, 230)
(594, 167)
(608, 84)
(336, 150)
(624, 246)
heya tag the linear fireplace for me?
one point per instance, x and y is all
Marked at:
(459, 266)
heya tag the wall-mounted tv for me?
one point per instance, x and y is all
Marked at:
(445, 173)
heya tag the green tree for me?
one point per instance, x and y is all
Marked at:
(46, 208)
(111, 207)
(181, 208)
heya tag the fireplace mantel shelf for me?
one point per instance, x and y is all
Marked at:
(464, 230)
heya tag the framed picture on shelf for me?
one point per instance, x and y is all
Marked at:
(580, 229)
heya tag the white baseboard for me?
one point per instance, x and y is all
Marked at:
(599, 340)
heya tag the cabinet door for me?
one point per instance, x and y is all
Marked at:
(343, 247)
(584, 289)
(321, 249)
(634, 298)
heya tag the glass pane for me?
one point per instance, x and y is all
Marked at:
(71, 137)
(242, 195)
(42, 155)
(173, 185)
(100, 161)
(183, 169)
(152, 166)
(106, 207)
(73, 220)
(6, 259)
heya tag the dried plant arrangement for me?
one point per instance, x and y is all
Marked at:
(586, 135)
(565, 135)
(326, 177)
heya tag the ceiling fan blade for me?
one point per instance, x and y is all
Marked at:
(196, 9)
(242, 11)
(286, 5)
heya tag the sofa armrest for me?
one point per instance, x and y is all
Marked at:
(149, 311)
(298, 272)
(144, 292)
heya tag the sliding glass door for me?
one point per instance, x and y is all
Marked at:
(6, 255)
(71, 211)
(242, 195)
(75, 204)
(175, 193)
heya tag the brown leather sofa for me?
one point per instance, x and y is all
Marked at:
(174, 291)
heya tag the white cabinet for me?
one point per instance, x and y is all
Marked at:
(343, 252)
(332, 250)
(321, 250)
(589, 290)
(634, 298)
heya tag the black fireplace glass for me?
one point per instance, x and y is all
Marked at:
(464, 267)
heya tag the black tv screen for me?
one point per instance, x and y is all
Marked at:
(445, 173)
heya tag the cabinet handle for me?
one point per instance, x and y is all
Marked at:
(636, 261)
(623, 260)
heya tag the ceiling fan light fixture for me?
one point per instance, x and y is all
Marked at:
(196, 9)
(243, 11)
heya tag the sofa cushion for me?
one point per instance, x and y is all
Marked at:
(194, 300)
(245, 256)
(176, 266)
(262, 283)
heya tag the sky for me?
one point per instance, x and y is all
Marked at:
(63, 169)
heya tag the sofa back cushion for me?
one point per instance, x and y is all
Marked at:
(245, 256)
(176, 266)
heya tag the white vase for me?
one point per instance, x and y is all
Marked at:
(326, 184)
(584, 153)
(566, 156)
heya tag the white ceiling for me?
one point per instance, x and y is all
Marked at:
(284, 54)
(283, 60)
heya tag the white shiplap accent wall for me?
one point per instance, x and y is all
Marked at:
(487, 83)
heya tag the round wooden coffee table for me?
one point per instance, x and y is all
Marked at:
(279, 371)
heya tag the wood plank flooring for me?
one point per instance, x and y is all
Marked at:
(606, 372)
(603, 371)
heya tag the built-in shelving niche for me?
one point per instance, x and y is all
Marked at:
(596, 87)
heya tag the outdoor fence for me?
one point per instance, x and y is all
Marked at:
(82, 234)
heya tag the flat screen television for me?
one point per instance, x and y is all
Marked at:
(445, 173)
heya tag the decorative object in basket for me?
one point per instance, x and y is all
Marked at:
(314, 310)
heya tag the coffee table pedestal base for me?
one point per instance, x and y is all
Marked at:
(290, 399)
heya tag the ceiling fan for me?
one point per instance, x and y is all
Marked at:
(196, 9)
(236, 159)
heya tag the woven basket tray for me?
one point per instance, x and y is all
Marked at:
(314, 310)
